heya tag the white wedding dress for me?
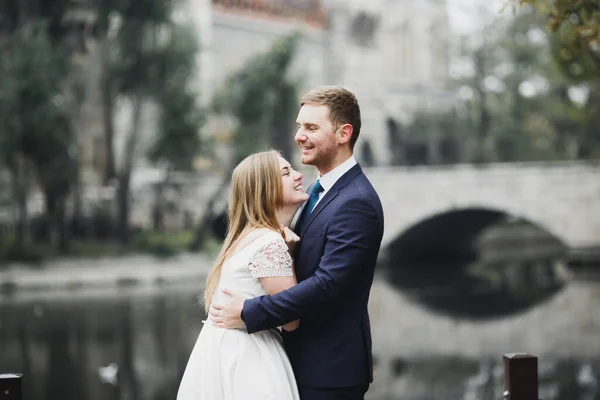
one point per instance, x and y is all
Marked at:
(230, 364)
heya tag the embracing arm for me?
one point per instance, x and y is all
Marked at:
(274, 285)
(353, 236)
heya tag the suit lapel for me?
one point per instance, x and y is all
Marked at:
(298, 223)
(331, 194)
(308, 219)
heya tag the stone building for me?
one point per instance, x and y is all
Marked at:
(393, 55)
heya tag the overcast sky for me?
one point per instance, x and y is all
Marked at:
(465, 15)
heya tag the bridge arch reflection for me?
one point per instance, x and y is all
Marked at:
(475, 263)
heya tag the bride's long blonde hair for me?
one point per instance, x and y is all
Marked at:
(257, 193)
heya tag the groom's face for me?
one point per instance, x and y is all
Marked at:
(315, 135)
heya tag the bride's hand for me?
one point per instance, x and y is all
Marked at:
(291, 239)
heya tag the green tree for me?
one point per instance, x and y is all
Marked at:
(178, 142)
(263, 100)
(127, 30)
(520, 107)
(575, 47)
(133, 52)
(36, 133)
(576, 43)
(547, 123)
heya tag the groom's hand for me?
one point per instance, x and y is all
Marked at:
(228, 315)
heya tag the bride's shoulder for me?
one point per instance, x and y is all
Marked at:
(269, 234)
(262, 235)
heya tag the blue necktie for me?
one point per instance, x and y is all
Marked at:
(314, 197)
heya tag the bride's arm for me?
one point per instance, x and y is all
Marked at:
(273, 266)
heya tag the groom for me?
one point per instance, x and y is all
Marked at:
(341, 227)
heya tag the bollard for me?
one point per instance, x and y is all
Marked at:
(520, 377)
(10, 386)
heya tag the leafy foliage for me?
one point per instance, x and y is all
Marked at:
(263, 99)
(31, 105)
(178, 140)
(30, 95)
(576, 43)
(144, 53)
(581, 15)
(521, 93)
(36, 131)
(145, 57)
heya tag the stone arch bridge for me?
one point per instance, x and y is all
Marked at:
(453, 204)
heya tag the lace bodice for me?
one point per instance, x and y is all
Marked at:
(271, 260)
(266, 256)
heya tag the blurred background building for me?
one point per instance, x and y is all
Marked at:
(393, 55)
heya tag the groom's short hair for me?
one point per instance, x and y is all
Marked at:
(342, 104)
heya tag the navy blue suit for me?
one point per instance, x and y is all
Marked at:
(335, 261)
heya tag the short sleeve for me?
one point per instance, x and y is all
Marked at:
(273, 259)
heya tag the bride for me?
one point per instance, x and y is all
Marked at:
(254, 260)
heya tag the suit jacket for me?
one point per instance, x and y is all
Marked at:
(334, 262)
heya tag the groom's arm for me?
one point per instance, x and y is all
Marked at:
(354, 234)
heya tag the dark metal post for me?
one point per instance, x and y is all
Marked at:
(520, 376)
(10, 386)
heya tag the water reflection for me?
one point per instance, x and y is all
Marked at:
(463, 379)
(489, 273)
(127, 348)
(478, 291)
(135, 347)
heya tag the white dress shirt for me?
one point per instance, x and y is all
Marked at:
(329, 179)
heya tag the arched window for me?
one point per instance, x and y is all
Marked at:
(363, 29)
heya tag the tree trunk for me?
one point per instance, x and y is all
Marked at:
(123, 208)
(50, 202)
(108, 100)
(483, 119)
(60, 225)
(158, 215)
(58, 235)
(127, 168)
(158, 211)
(20, 188)
(23, 217)
(81, 227)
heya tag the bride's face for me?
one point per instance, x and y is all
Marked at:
(293, 192)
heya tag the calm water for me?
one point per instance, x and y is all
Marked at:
(69, 348)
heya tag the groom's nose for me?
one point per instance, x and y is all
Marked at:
(300, 136)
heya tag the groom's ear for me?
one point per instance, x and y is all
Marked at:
(345, 133)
